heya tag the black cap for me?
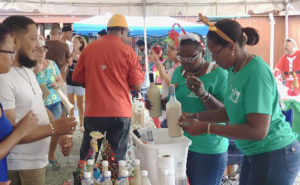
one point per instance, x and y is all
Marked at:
(102, 32)
(140, 43)
(67, 28)
(151, 77)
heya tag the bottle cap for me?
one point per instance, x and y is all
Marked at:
(104, 163)
(124, 173)
(107, 174)
(137, 162)
(172, 89)
(90, 162)
(144, 173)
(151, 77)
(87, 175)
(121, 163)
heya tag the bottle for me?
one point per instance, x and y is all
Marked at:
(140, 109)
(173, 114)
(124, 178)
(122, 166)
(104, 166)
(180, 174)
(145, 179)
(90, 166)
(133, 111)
(153, 95)
(84, 167)
(136, 179)
(107, 178)
(150, 135)
(164, 177)
(87, 179)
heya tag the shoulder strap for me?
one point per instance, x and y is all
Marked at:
(210, 67)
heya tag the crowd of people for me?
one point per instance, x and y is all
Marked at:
(235, 98)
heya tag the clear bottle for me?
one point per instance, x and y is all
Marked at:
(145, 178)
(153, 95)
(164, 179)
(173, 114)
(124, 178)
(107, 178)
(90, 166)
(150, 135)
(122, 167)
(136, 179)
(133, 110)
(140, 109)
(104, 166)
(180, 174)
(87, 179)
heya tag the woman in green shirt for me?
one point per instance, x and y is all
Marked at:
(201, 86)
(272, 153)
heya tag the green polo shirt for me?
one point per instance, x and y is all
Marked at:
(215, 83)
(253, 90)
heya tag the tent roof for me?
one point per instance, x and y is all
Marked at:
(156, 26)
(153, 7)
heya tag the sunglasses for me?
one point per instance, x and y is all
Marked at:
(188, 59)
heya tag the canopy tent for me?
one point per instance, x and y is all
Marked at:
(146, 7)
(155, 26)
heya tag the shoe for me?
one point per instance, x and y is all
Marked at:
(55, 164)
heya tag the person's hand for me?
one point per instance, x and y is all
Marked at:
(192, 126)
(54, 85)
(189, 115)
(66, 144)
(154, 58)
(195, 85)
(28, 123)
(64, 125)
(163, 102)
(148, 104)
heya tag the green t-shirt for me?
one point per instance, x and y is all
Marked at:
(253, 90)
(215, 83)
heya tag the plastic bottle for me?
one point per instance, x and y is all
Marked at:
(140, 109)
(124, 178)
(153, 95)
(150, 135)
(104, 166)
(145, 179)
(180, 174)
(87, 179)
(107, 178)
(164, 177)
(133, 110)
(90, 166)
(122, 167)
(136, 179)
(173, 114)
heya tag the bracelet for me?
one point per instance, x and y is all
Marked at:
(51, 129)
(205, 100)
(204, 95)
(208, 128)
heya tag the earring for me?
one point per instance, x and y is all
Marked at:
(232, 54)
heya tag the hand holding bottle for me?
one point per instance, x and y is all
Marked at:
(64, 125)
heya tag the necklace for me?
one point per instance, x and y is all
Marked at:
(234, 77)
(26, 79)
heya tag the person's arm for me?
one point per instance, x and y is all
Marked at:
(135, 75)
(256, 127)
(162, 71)
(25, 126)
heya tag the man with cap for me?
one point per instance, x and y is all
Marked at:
(109, 69)
(67, 33)
(101, 34)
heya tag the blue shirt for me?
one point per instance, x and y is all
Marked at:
(5, 129)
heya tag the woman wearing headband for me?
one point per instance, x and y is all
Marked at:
(200, 86)
(272, 153)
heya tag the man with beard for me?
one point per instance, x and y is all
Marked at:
(20, 93)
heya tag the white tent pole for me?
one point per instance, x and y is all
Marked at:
(287, 8)
(145, 35)
(272, 22)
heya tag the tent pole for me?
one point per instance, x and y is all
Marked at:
(145, 35)
(287, 8)
(272, 22)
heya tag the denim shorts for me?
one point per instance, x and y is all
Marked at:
(279, 167)
(78, 90)
(55, 109)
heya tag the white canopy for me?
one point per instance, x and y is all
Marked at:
(152, 7)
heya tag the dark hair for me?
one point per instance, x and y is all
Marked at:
(82, 41)
(67, 28)
(140, 43)
(234, 31)
(102, 32)
(188, 41)
(116, 28)
(3, 33)
(17, 23)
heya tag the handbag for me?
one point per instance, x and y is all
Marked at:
(64, 99)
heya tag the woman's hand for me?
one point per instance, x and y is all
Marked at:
(54, 85)
(195, 85)
(194, 127)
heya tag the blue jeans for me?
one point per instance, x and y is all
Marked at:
(279, 167)
(55, 109)
(205, 169)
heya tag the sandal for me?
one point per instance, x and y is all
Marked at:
(55, 164)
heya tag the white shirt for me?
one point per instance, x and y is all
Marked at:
(70, 44)
(17, 93)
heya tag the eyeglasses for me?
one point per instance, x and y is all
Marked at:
(188, 59)
(40, 50)
(12, 53)
(215, 55)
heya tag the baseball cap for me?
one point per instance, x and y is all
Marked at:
(67, 28)
(117, 20)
